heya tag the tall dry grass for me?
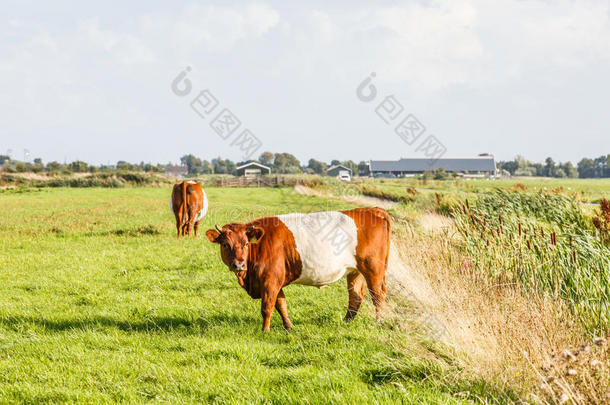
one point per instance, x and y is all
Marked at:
(495, 330)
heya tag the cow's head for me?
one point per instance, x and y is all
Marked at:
(234, 241)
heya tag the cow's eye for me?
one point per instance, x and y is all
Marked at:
(246, 244)
(225, 245)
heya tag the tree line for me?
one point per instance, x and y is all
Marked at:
(586, 168)
(286, 163)
(78, 166)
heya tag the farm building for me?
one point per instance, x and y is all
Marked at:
(478, 165)
(335, 170)
(252, 169)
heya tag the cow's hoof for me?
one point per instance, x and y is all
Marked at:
(266, 329)
(288, 326)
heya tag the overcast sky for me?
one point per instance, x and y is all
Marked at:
(94, 82)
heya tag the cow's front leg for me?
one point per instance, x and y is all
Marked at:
(268, 300)
(282, 308)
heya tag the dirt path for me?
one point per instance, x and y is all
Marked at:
(358, 199)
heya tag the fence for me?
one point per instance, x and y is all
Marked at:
(263, 181)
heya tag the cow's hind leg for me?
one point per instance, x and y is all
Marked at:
(178, 217)
(374, 275)
(196, 227)
(282, 308)
(356, 288)
(178, 227)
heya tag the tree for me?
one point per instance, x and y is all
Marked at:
(231, 167)
(350, 164)
(55, 167)
(539, 169)
(266, 158)
(316, 166)
(223, 166)
(78, 166)
(511, 166)
(522, 162)
(38, 166)
(192, 163)
(586, 168)
(363, 168)
(207, 167)
(335, 162)
(569, 169)
(440, 174)
(20, 167)
(549, 167)
(601, 165)
(4, 158)
(286, 163)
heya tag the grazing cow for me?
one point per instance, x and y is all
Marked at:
(315, 249)
(189, 203)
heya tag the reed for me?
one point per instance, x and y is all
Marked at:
(543, 242)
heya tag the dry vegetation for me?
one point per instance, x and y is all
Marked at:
(497, 329)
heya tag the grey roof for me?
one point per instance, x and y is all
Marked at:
(474, 164)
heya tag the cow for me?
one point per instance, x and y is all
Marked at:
(315, 249)
(189, 203)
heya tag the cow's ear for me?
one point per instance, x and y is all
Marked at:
(254, 233)
(212, 235)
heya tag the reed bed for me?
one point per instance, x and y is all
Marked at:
(545, 244)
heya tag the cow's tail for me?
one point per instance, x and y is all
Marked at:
(385, 217)
(388, 220)
(184, 204)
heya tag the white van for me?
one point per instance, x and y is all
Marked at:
(344, 176)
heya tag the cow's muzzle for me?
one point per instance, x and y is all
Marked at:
(237, 267)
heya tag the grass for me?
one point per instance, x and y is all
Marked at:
(588, 190)
(101, 303)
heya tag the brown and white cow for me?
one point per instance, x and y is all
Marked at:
(189, 203)
(316, 249)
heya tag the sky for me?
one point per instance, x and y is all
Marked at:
(99, 81)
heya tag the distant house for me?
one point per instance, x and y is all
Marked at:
(253, 169)
(335, 170)
(478, 165)
(176, 171)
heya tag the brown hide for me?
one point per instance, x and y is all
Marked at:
(187, 201)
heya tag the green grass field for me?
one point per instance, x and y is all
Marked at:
(100, 303)
(588, 190)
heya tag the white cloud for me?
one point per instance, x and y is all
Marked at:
(210, 28)
(112, 72)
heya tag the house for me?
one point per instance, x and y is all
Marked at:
(468, 166)
(337, 170)
(176, 171)
(252, 169)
